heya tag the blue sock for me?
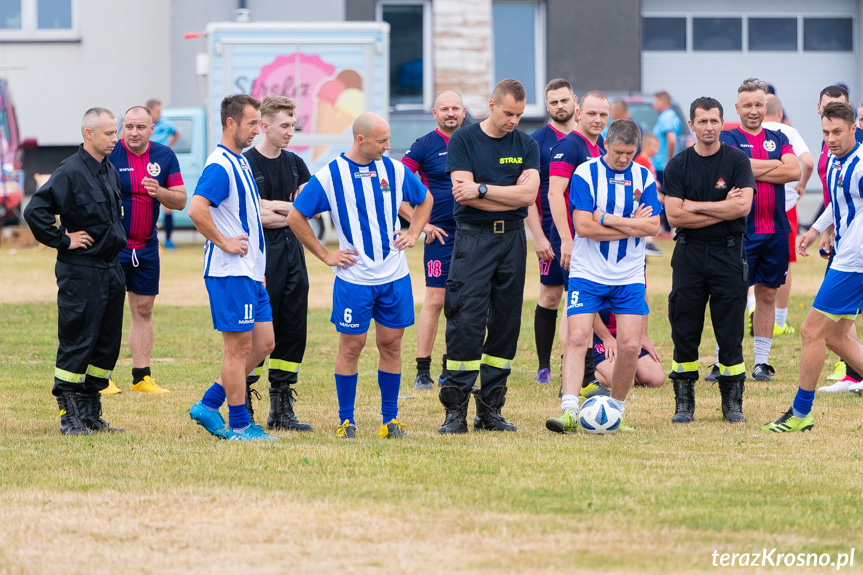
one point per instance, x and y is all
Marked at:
(389, 384)
(168, 224)
(214, 398)
(802, 402)
(238, 416)
(346, 389)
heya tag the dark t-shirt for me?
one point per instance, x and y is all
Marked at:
(278, 182)
(689, 176)
(492, 161)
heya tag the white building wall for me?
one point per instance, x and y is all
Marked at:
(462, 51)
(121, 60)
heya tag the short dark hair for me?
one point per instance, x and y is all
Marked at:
(508, 87)
(234, 106)
(834, 91)
(840, 110)
(704, 103)
(623, 132)
(146, 109)
(557, 84)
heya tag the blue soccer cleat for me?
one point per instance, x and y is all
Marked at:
(210, 420)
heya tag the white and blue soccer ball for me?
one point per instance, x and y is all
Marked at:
(598, 415)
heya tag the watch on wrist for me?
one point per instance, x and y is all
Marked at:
(482, 189)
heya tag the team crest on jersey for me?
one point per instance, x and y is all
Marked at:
(385, 187)
(769, 145)
(154, 169)
(636, 195)
(839, 182)
(720, 184)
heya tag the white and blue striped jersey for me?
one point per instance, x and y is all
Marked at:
(845, 210)
(364, 201)
(227, 181)
(596, 186)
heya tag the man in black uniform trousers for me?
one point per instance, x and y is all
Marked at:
(86, 192)
(708, 190)
(280, 176)
(495, 174)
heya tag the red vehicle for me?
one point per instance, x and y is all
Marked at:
(11, 173)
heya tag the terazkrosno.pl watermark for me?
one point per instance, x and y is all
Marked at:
(774, 558)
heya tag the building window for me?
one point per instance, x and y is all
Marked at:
(664, 34)
(410, 50)
(38, 20)
(519, 47)
(773, 34)
(717, 34)
(827, 35)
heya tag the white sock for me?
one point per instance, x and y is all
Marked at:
(717, 354)
(750, 302)
(762, 349)
(618, 403)
(568, 402)
(781, 316)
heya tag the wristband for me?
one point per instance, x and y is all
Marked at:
(602, 219)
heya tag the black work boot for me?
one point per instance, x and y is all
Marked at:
(732, 401)
(70, 418)
(455, 401)
(90, 409)
(488, 415)
(249, 392)
(282, 410)
(684, 400)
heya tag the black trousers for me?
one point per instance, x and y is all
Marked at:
(484, 292)
(89, 325)
(288, 288)
(711, 272)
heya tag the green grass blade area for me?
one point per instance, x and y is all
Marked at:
(166, 497)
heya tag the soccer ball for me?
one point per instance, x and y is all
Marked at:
(599, 416)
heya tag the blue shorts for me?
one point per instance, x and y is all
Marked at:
(585, 296)
(237, 303)
(550, 272)
(599, 351)
(141, 268)
(437, 258)
(841, 293)
(768, 257)
(390, 304)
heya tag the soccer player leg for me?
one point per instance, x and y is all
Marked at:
(771, 255)
(551, 287)
(727, 311)
(629, 306)
(393, 311)
(686, 304)
(584, 299)
(352, 313)
(437, 259)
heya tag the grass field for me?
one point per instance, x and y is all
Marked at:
(165, 497)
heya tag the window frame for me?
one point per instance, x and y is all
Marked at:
(800, 16)
(539, 47)
(30, 31)
(428, 53)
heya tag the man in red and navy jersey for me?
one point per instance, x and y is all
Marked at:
(773, 164)
(151, 177)
(427, 158)
(579, 146)
(560, 104)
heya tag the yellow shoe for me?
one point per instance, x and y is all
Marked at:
(785, 329)
(112, 388)
(148, 385)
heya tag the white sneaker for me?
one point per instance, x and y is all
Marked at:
(856, 388)
(841, 386)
